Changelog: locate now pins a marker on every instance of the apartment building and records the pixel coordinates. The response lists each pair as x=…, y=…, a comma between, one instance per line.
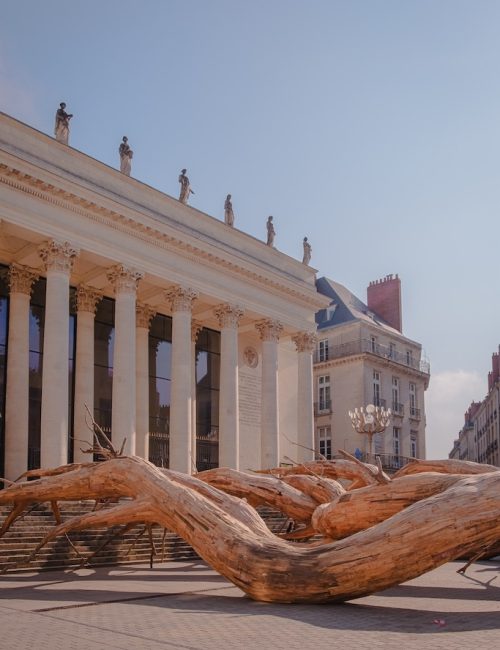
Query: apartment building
x=479, y=438
x=362, y=357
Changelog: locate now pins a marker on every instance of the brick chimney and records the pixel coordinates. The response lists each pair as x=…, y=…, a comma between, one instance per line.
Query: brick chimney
x=384, y=299
x=495, y=370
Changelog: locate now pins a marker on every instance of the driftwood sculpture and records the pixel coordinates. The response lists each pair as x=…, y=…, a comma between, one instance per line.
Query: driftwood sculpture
x=373, y=537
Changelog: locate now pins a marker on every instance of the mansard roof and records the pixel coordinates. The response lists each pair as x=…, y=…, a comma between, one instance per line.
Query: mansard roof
x=345, y=307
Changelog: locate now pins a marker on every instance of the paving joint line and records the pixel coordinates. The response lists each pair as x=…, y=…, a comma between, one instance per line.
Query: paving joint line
x=129, y=599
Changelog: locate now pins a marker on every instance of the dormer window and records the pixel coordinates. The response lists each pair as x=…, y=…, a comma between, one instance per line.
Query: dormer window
x=329, y=311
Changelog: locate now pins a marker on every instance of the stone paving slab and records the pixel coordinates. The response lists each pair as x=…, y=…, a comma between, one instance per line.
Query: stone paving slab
x=189, y=607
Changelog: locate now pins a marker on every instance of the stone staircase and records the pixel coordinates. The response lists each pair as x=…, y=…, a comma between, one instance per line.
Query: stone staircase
x=89, y=547
x=28, y=531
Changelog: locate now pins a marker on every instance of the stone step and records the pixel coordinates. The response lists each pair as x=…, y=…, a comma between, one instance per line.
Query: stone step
x=28, y=531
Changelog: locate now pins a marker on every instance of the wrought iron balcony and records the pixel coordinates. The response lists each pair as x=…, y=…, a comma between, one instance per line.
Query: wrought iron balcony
x=398, y=409
x=415, y=413
x=368, y=346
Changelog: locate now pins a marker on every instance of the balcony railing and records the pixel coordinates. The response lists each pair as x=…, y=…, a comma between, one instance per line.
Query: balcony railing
x=398, y=409
x=159, y=451
x=323, y=408
x=378, y=401
x=390, y=462
x=415, y=413
x=365, y=345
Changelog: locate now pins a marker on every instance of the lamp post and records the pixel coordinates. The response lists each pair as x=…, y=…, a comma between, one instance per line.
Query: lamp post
x=373, y=419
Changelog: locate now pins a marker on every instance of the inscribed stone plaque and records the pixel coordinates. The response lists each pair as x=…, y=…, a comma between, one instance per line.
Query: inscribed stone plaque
x=249, y=398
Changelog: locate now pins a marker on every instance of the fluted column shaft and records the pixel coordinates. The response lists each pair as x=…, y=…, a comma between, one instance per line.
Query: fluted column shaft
x=124, y=396
x=229, y=439
x=305, y=342
x=58, y=258
x=270, y=450
x=181, y=300
x=144, y=314
x=86, y=302
x=17, y=390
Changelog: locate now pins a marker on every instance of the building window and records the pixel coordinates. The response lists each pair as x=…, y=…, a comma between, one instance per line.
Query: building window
x=396, y=441
x=413, y=444
x=373, y=344
x=392, y=350
x=413, y=399
x=324, y=397
x=4, y=307
x=104, y=337
x=396, y=406
x=325, y=442
x=323, y=350
x=376, y=389
x=207, y=399
x=409, y=358
x=160, y=373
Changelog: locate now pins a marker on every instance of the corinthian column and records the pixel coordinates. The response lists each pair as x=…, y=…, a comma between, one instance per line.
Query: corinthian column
x=58, y=260
x=305, y=343
x=144, y=315
x=21, y=280
x=181, y=301
x=196, y=328
x=269, y=331
x=229, y=438
x=123, y=426
x=86, y=303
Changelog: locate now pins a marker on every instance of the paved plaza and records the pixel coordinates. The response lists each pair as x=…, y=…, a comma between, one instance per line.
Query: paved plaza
x=188, y=606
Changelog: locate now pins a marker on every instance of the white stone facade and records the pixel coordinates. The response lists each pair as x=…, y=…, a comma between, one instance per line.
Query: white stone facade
x=89, y=229
x=361, y=360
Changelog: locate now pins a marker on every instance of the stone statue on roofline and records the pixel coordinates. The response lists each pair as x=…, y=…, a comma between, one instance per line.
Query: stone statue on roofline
x=271, y=233
x=126, y=155
x=228, y=211
x=306, y=258
x=61, y=128
x=185, y=187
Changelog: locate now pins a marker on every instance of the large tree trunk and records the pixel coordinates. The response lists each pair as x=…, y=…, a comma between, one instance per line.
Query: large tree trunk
x=228, y=533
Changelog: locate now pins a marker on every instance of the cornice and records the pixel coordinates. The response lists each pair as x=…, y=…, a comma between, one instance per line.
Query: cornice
x=91, y=210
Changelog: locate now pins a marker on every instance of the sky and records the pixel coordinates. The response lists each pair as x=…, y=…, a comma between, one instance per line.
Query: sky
x=370, y=126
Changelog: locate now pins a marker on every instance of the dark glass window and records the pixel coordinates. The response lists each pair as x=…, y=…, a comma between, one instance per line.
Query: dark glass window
x=4, y=319
x=104, y=335
x=36, y=329
x=207, y=399
x=71, y=370
x=160, y=373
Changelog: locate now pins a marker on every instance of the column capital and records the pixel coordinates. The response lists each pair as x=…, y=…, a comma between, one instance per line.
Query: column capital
x=196, y=328
x=269, y=330
x=21, y=278
x=305, y=341
x=124, y=279
x=87, y=298
x=144, y=315
x=228, y=315
x=58, y=256
x=181, y=298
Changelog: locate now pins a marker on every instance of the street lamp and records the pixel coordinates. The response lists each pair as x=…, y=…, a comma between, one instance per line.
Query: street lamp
x=373, y=419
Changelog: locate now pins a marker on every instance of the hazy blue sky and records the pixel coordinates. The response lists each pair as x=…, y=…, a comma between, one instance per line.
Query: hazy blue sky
x=371, y=126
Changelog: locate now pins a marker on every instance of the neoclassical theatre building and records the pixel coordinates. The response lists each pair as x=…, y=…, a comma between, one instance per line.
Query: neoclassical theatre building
x=186, y=338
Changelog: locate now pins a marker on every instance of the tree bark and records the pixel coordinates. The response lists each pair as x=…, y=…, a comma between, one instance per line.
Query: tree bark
x=228, y=533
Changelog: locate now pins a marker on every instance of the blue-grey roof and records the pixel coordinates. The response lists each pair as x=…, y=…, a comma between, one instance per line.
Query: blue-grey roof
x=345, y=307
